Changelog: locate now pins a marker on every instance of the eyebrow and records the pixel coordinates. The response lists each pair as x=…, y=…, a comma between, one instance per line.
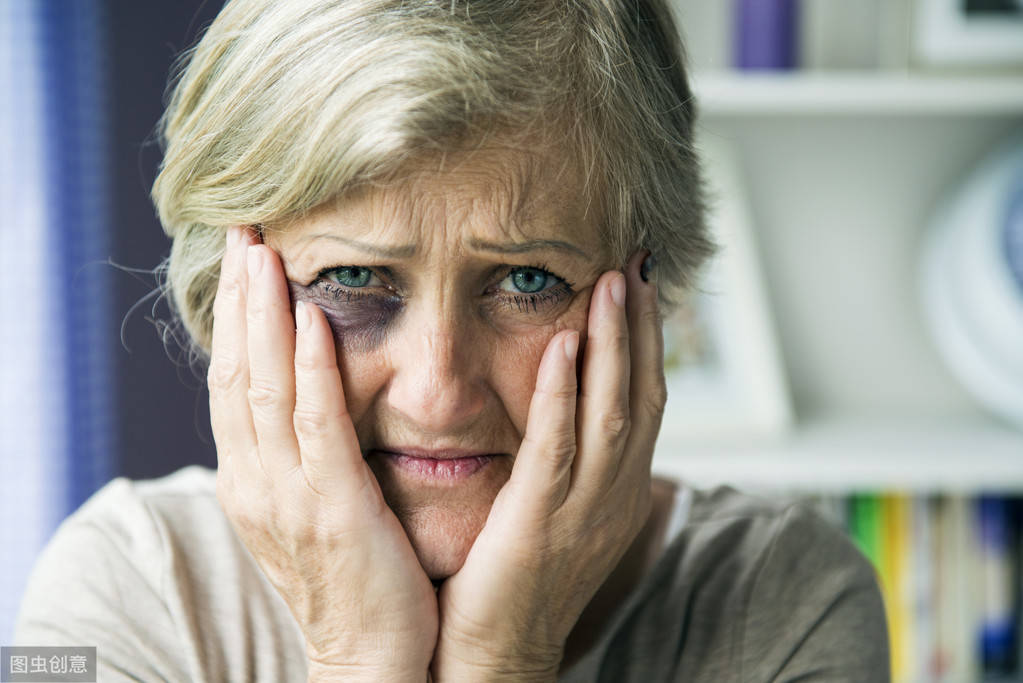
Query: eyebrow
x=409, y=250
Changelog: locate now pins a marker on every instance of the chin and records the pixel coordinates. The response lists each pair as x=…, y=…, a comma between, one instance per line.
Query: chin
x=442, y=536
x=441, y=517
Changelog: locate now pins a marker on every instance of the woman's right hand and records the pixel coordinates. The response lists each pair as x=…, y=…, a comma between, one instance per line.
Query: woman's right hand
x=292, y=481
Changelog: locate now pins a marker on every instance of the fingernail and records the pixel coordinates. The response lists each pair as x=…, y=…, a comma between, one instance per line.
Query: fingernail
x=618, y=290
x=234, y=234
x=302, y=316
x=255, y=260
x=644, y=268
x=571, y=346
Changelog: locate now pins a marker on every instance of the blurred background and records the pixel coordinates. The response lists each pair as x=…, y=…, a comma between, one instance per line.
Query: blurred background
x=89, y=389
x=858, y=343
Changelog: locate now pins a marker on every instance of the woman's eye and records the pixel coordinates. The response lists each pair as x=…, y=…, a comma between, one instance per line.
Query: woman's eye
x=350, y=276
x=528, y=289
x=528, y=280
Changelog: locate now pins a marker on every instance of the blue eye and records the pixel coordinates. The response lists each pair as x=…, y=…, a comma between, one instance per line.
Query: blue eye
x=532, y=287
x=529, y=280
x=350, y=276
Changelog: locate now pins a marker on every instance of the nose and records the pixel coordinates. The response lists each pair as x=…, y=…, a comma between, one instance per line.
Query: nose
x=437, y=379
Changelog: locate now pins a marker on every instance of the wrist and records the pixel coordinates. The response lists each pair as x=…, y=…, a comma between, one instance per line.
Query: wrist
x=449, y=668
x=449, y=673
x=385, y=671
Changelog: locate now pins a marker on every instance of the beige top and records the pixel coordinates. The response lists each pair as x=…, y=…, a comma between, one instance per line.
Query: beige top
x=153, y=575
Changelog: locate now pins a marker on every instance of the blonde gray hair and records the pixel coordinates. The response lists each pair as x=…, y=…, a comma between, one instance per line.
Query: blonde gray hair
x=284, y=106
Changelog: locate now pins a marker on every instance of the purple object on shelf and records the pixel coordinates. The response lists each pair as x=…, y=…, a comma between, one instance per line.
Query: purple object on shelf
x=766, y=34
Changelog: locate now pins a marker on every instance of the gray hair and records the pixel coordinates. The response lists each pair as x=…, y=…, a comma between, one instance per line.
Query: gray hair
x=284, y=106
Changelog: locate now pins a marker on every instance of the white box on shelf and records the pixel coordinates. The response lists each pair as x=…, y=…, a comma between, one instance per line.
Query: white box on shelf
x=722, y=364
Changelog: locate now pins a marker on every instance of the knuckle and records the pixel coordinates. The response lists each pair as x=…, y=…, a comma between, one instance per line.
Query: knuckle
x=311, y=424
x=561, y=441
x=311, y=364
x=615, y=423
x=560, y=393
x=655, y=400
x=224, y=374
x=618, y=340
x=263, y=395
x=230, y=290
x=555, y=443
x=256, y=309
x=651, y=317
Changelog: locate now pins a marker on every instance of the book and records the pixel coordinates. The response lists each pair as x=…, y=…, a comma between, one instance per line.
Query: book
x=997, y=619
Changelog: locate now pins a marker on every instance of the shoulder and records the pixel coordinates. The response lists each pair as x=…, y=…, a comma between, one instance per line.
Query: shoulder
x=139, y=522
x=128, y=522
x=139, y=510
x=755, y=589
x=152, y=573
x=101, y=578
x=814, y=606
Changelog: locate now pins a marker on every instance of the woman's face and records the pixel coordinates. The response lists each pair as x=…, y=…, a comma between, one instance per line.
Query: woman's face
x=443, y=292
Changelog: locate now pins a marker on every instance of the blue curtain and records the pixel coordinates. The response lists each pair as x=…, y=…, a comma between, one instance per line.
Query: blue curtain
x=57, y=334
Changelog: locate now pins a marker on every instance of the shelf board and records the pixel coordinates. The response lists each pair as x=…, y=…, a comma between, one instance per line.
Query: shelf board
x=842, y=455
x=855, y=93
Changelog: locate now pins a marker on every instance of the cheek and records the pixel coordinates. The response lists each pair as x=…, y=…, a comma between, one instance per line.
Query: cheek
x=517, y=354
x=360, y=333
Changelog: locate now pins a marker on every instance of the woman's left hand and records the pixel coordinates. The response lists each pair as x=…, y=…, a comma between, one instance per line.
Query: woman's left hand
x=578, y=495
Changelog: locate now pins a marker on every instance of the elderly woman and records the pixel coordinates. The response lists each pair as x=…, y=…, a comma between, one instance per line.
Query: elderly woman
x=416, y=239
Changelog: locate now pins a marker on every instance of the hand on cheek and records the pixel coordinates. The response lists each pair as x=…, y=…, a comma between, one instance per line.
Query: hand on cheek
x=577, y=497
x=293, y=484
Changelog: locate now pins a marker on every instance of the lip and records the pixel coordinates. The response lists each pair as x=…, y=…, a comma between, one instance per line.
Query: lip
x=433, y=454
x=436, y=466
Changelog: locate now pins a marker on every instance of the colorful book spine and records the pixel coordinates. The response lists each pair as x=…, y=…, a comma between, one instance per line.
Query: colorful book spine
x=923, y=587
x=958, y=560
x=950, y=569
x=896, y=577
x=997, y=622
x=865, y=526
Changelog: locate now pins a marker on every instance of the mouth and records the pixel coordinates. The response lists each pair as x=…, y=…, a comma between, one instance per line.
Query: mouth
x=439, y=466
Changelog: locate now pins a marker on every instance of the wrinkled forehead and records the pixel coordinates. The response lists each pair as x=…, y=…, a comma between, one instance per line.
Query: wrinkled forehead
x=488, y=193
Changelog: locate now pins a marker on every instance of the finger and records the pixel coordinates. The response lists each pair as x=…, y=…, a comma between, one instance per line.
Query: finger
x=543, y=465
x=328, y=445
x=271, y=338
x=603, y=419
x=648, y=392
x=228, y=375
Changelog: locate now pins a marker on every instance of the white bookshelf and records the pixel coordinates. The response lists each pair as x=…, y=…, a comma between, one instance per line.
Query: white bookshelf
x=840, y=455
x=842, y=171
x=846, y=93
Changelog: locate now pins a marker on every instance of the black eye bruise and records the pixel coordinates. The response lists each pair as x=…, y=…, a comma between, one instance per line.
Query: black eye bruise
x=361, y=323
x=340, y=292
